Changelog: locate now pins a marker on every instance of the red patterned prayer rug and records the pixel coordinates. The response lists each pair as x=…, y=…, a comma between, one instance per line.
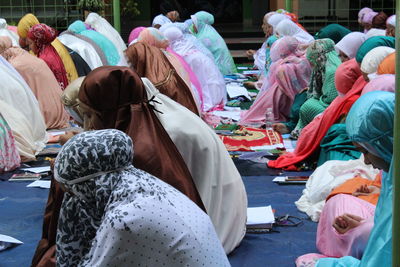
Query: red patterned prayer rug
x=245, y=138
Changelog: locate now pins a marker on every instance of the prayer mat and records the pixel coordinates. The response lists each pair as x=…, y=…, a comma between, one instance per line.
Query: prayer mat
x=245, y=138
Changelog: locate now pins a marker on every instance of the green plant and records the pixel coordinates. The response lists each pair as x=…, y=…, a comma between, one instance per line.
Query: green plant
x=130, y=7
x=91, y=5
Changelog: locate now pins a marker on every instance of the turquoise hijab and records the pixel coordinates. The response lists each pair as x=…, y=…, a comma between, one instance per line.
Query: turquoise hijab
x=106, y=45
x=373, y=42
x=370, y=123
x=213, y=41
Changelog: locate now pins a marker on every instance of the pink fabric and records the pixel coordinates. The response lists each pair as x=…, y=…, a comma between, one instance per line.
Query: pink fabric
x=368, y=17
x=385, y=82
x=192, y=75
x=135, y=34
x=9, y=156
x=12, y=28
x=354, y=241
x=287, y=76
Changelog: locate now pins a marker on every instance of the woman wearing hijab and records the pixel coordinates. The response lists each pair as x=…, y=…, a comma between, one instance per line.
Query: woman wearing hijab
x=274, y=20
x=30, y=20
x=102, y=26
x=217, y=179
x=135, y=34
x=289, y=28
x=333, y=31
x=4, y=31
x=154, y=37
x=373, y=42
x=108, y=48
x=289, y=75
x=347, y=47
x=361, y=15
x=131, y=223
x=152, y=63
x=370, y=125
x=349, y=83
x=203, y=30
x=40, y=37
x=379, y=21
x=211, y=80
x=9, y=157
x=127, y=108
x=324, y=60
x=20, y=109
x=85, y=50
x=391, y=26
x=372, y=60
x=367, y=20
x=41, y=80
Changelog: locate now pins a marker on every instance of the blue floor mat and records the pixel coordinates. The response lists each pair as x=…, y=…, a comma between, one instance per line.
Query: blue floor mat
x=22, y=208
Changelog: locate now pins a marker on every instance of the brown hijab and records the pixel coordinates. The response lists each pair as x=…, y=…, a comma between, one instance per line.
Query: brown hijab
x=150, y=62
x=118, y=98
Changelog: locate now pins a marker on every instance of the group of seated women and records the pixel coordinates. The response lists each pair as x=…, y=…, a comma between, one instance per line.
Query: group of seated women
x=334, y=93
x=149, y=182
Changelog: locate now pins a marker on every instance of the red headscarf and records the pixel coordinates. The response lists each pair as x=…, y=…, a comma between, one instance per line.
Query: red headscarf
x=42, y=35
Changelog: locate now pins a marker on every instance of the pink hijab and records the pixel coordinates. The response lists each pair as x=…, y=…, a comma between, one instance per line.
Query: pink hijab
x=135, y=33
x=385, y=82
x=154, y=37
x=289, y=74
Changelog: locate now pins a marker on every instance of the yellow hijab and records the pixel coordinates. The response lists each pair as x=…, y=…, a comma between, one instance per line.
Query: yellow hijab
x=30, y=20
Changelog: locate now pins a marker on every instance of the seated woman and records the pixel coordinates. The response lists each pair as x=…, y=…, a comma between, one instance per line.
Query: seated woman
x=372, y=60
x=20, y=109
x=154, y=37
x=111, y=53
x=324, y=61
x=361, y=15
x=289, y=28
x=40, y=37
x=212, y=82
x=152, y=63
x=391, y=26
x=287, y=77
x=347, y=47
x=370, y=125
x=102, y=26
x=41, y=80
x=373, y=42
x=203, y=30
x=30, y=20
x=334, y=31
x=9, y=156
x=131, y=223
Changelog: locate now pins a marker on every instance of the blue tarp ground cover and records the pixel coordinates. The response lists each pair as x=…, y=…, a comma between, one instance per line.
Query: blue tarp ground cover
x=22, y=208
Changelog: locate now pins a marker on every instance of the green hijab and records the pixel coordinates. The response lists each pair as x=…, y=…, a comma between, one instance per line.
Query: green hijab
x=333, y=31
x=324, y=59
x=373, y=42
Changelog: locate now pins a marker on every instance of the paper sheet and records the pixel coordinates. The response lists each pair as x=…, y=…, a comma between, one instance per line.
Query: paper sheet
x=279, y=179
x=8, y=241
x=235, y=90
x=250, y=72
x=234, y=115
x=242, y=68
x=37, y=169
x=55, y=133
x=270, y=147
x=260, y=215
x=40, y=184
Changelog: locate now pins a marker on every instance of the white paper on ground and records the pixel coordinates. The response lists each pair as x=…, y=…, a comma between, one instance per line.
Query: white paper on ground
x=235, y=90
x=270, y=147
x=37, y=169
x=55, y=133
x=8, y=241
x=279, y=179
x=234, y=115
x=250, y=72
x=260, y=215
x=40, y=184
x=242, y=68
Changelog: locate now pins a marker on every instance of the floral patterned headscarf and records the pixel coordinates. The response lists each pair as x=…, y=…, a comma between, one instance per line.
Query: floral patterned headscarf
x=42, y=35
x=96, y=167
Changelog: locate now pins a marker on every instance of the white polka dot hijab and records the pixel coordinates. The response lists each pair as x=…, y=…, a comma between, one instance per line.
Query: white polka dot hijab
x=95, y=167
